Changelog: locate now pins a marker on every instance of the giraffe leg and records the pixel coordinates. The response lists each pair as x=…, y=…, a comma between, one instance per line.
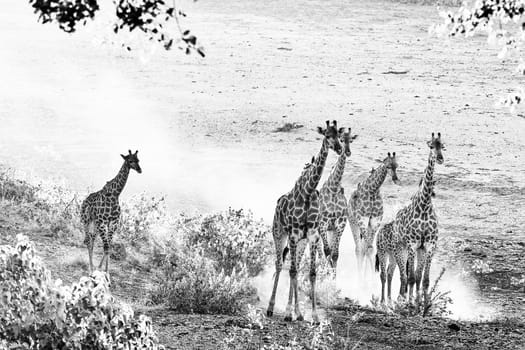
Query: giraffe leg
x=362, y=226
x=280, y=243
x=357, y=240
x=89, y=240
x=410, y=272
x=323, y=230
x=90, y=244
x=426, y=276
x=104, y=233
x=339, y=229
x=421, y=260
x=313, y=274
x=292, y=244
x=301, y=247
x=401, y=259
x=390, y=275
x=112, y=228
x=381, y=256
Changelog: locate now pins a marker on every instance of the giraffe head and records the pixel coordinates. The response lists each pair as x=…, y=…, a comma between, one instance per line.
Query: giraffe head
x=391, y=163
x=437, y=146
x=331, y=136
x=346, y=139
x=132, y=161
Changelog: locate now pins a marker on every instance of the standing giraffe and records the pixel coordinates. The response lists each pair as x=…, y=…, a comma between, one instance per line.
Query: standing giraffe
x=365, y=210
x=416, y=225
x=333, y=209
x=389, y=249
x=297, y=219
x=100, y=211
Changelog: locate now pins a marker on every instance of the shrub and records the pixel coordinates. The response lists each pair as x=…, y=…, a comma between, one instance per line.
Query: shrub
x=192, y=283
x=15, y=190
x=140, y=216
x=233, y=239
x=437, y=303
x=37, y=312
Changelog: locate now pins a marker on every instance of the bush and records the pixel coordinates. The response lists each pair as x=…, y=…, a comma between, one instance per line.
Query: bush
x=140, y=216
x=437, y=304
x=37, y=312
x=234, y=239
x=192, y=283
x=15, y=190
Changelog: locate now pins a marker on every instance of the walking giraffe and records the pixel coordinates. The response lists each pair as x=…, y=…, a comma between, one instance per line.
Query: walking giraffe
x=365, y=210
x=416, y=226
x=333, y=207
x=100, y=211
x=389, y=250
x=297, y=219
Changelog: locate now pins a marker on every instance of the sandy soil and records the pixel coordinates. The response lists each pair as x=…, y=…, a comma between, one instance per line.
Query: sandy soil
x=205, y=127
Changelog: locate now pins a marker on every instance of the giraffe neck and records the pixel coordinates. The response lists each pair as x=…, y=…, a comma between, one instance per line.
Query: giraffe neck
x=315, y=172
x=376, y=179
x=116, y=185
x=334, y=181
x=425, y=192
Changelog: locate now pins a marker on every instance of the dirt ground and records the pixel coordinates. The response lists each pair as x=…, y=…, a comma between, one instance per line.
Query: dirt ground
x=206, y=131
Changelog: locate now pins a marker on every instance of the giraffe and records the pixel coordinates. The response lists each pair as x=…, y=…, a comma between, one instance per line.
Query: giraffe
x=365, y=210
x=296, y=220
x=333, y=209
x=100, y=211
x=389, y=249
x=388, y=246
x=417, y=226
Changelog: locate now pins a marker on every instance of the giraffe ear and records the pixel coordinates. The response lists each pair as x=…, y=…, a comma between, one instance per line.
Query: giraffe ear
x=353, y=137
x=320, y=130
x=429, y=143
x=123, y=156
x=341, y=131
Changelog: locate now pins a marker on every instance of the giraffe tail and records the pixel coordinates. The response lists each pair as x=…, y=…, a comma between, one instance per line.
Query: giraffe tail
x=285, y=252
x=377, y=263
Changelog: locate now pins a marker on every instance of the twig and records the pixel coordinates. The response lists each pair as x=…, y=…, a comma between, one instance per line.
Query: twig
x=396, y=72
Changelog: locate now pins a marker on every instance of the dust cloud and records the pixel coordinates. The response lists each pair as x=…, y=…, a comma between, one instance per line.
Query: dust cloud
x=466, y=300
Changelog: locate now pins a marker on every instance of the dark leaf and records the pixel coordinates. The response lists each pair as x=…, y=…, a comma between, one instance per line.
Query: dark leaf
x=168, y=45
x=201, y=52
x=190, y=40
x=186, y=32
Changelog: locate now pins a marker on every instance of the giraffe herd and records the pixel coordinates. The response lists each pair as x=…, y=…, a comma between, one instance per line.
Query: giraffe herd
x=305, y=216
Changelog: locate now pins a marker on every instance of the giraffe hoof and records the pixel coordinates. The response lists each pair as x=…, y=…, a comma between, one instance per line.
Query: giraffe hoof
x=288, y=318
x=300, y=318
x=269, y=313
